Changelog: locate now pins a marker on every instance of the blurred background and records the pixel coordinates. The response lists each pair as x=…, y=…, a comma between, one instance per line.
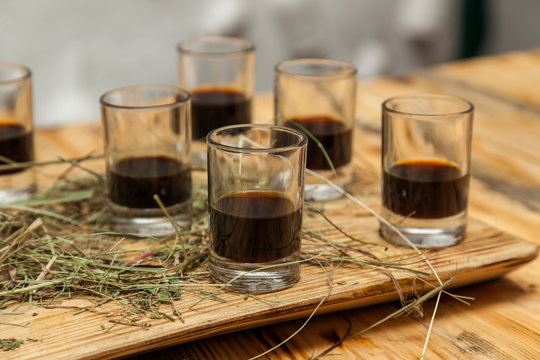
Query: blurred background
x=78, y=49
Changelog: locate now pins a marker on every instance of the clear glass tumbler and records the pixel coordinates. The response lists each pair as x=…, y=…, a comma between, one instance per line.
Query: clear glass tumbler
x=16, y=132
x=426, y=151
x=318, y=97
x=219, y=72
x=147, y=152
x=255, y=196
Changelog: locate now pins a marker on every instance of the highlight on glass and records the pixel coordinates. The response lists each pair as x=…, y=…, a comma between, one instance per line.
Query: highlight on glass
x=16, y=133
x=318, y=97
x=219, y=72
x=255, y=197
x=147, y=153
x=426, y=152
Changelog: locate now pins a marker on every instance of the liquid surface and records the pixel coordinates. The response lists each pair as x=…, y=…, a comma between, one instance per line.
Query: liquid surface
x=255, y=227
x=425, y=189
x=333, y=135
x=133, y=181
x=216, y=107
x=16, y=144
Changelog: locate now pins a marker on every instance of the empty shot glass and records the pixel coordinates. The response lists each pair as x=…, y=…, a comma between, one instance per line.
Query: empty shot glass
x=318, y=97
x=147, y=153
x=255, y=196
x=16, y=133
x=426, y=151
x=219, y=72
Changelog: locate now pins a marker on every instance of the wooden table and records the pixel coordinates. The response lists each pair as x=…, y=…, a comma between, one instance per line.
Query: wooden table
x=504, y=320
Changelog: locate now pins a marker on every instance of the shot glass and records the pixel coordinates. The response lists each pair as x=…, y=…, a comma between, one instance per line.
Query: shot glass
x=426, y=151
x=219, y=72
x=318, y=96
x=147, y=152
x=255, y=196
x=16, y=132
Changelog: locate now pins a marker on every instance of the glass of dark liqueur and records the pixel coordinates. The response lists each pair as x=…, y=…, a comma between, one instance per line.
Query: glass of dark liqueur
x=147, y=152
x=318, y=96
x=255, y=196
x=16, y=132
x=426, y=151
x=219, y=72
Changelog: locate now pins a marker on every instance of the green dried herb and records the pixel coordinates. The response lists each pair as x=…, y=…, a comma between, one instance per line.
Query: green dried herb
x=10, y=344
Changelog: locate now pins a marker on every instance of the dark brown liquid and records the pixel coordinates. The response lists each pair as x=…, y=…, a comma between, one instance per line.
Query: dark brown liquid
x=255, y=227
x=16, y=144
x=212, y=108
x=425, y=189
x=134, y=181
x=334, y=136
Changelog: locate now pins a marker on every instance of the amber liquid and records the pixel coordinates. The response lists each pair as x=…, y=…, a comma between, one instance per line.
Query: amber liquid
x=334, y=136
x=255, y=227
x=133, y=181
x=425, y=189
x=16, y=143
x=216, y=107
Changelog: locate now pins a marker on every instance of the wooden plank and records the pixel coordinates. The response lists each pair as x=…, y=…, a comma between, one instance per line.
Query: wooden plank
x=486, y=253
x=503, y=321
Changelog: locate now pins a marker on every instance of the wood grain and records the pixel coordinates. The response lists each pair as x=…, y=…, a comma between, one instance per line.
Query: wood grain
x=503, y=322
x=486, y=253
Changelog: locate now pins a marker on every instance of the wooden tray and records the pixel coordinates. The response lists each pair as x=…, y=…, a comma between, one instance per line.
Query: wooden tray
x=486, y=253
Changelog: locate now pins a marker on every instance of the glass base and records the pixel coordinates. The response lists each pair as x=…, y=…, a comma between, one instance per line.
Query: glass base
x=150, y=222
x=425, y=233
x=321, y=192
x=199, y=154
x=16, y=187
x=265, y=280
x=16, y=194
x=317, y=189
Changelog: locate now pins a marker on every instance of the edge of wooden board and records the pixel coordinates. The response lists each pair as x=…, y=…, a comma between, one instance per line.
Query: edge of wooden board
x=488, y=253
x=342, y=300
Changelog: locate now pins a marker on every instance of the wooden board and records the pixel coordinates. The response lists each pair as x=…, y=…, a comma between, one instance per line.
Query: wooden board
x=503, y=322
x=486, y=253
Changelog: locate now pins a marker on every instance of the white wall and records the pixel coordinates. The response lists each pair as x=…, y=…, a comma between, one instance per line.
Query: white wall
x=78, y=49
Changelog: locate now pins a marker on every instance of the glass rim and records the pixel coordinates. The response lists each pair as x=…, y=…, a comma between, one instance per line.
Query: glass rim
x=26, y=73
x=468, y=106
x=244, y=46
x=347, y=70
x=302, y=139
x=184, y=97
